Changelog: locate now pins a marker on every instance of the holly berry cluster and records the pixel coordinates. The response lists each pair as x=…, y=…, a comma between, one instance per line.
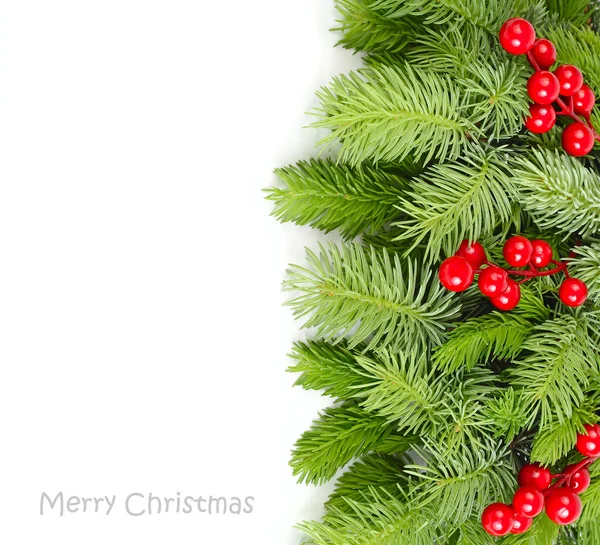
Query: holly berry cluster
x=458, y=272
x=536, y=493
x=561, y=92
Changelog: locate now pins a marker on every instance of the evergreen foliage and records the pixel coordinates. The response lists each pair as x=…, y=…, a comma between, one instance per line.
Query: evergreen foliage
x=329, y=196
x=437, y=398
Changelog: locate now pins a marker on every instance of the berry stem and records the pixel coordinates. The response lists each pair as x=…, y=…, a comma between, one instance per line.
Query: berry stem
x=533, y=273
x=566, y=477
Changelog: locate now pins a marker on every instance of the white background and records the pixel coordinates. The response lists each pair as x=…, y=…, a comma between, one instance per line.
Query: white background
x=142, y=341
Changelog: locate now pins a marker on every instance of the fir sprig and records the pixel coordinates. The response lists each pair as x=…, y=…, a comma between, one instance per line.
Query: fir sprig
x=327, y=195
x=339, y=435
x=559, y=192
x=366, y=296
x=386, y=113
x=465, y=199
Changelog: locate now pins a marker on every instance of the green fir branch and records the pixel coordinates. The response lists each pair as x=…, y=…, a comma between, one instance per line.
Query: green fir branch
x=365, y=28
x=497, y=97
x=385, y=520
x=554, y=373
x=365, y=296
x=374, y=475
x=559, y=192
x=488, y=15
x=465, y=199
x=457, y=485
x=336, y=438
x=322, y=366
x=328, y=196
x=388, y=113
x=497, y=335
x=574, y=11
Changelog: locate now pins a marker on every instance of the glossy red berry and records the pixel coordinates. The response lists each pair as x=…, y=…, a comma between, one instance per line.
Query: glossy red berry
x=573, y=292
x=542, y=254
x=541, y=118
x=563, y=506
x=473, y=253
x=543, y=87
x=510, y=298
x=497, y=519
x=578, y=139
x=521, y=524
x=493, y=281
x=528, y=501
x=588, y=444
x=456, y=274
x=535, y=476
x=580, y=480
x=544, y=53
x=518, y=251
x=570, y=79
x=517, y=36
x=584, y=100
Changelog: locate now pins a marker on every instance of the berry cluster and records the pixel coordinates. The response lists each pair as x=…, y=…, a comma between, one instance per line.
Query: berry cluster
x=561, y=92
x=561, y=499
x=458, y=272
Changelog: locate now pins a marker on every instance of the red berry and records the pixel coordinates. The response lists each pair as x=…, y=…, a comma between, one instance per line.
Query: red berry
x=535, y=476
x=578, y=139
x=528, y=501
x=580, y=480
x=541, y=118
x=588, y=444
x=544, y=53
x=543, y=87
x=573, y=292
x=517, y=36
x=563, y=506
x=542, y=254
x=584, y=100
x=510, y=298
x=493, y=281
x=497, y=519
x=473, y=253
x=518, y=251
x=570, y=79
x=521, y=524
x=456, y=274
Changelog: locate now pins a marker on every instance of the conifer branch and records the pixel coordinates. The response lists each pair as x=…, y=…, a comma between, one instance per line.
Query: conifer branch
x=478, y=339
x=386, y=113
x=496, y=92
x=487, y=15
x=339, y=435
x=374, y=475
x=573, y=11
x=365, y=296
x=460, y=486
x=553, y=376
x=328, y=196
x=559, y=192
x=384, y=521
x=365, y=28
x=465, y=199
